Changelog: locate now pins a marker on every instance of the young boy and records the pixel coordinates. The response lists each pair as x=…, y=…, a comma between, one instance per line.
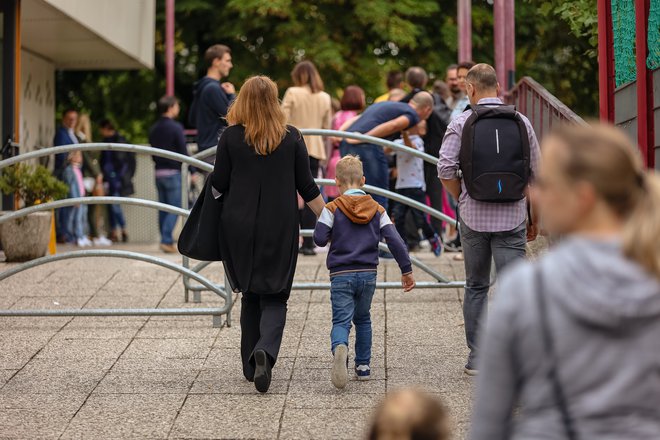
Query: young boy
x=354, y=224
x=410, y=183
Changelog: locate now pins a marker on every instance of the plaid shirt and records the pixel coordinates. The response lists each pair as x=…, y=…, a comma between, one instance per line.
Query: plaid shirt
x=483, y=216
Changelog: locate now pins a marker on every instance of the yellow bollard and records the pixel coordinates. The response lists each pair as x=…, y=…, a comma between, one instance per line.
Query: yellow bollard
x=52, y=245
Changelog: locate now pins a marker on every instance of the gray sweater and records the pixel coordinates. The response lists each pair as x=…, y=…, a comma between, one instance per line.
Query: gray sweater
x=604, y=315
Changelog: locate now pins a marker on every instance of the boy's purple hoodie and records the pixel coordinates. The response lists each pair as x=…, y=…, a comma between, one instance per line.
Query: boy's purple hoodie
x=354, y=225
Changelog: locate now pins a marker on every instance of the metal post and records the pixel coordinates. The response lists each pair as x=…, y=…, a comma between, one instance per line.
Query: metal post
x=11, y=77
x=510, y=43
x=645, y=133
x=464, y=30
x=500, y=43
x=605, y=61
x=169, y=47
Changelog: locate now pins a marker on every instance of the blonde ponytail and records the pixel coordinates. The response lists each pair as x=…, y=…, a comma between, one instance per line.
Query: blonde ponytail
x=641, y=235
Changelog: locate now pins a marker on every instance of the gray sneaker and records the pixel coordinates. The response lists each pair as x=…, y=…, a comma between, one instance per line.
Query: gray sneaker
x=339, y=374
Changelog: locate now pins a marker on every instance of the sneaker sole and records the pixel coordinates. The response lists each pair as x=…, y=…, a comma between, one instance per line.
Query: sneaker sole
x=471, y=372
x=261, y=376
x=362, y=377
x=339, y=376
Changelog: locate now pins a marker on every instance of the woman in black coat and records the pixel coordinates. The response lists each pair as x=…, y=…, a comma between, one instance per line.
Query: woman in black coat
x=260, y=164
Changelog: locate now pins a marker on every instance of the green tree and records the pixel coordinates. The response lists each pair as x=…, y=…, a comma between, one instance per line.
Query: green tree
x=351, y=41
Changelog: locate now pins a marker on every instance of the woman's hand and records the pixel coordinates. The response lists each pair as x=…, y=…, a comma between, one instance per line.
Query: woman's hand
x=317, y=205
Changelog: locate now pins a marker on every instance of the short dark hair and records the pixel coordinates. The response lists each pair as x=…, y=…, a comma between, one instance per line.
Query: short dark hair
x=416, y=77
x=482, y=77
x=353, y=98
x=394, y=79
x=215, y=51
x=452, y=67
x=106, y=123
x=165, y=103
x=68, y=110
x=466, y=65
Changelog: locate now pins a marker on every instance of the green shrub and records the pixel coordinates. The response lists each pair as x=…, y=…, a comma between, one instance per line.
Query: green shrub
x=32, y=184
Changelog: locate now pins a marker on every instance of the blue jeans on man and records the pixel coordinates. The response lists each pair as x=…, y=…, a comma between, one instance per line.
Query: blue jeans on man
x=479, y=249
x=351, y=294
x=374, y=164
x=169, y=192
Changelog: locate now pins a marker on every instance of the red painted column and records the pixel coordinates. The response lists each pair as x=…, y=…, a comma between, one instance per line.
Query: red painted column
x=499, y=32
x=645, y=133
x=510, y=42
x=605, y=61
x=169, y=47
x=464, y=30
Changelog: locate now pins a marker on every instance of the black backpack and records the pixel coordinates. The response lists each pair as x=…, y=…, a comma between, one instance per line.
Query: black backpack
x=495, y=154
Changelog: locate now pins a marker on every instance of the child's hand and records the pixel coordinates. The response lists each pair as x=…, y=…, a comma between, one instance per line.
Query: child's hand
x=407, y=282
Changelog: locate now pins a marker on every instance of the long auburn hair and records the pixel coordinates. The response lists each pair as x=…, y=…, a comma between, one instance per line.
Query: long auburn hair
x=258, y=109
x=604, y=156
x=305, y=74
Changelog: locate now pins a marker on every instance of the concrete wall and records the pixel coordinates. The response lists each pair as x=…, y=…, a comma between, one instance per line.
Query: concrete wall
x=37, y=116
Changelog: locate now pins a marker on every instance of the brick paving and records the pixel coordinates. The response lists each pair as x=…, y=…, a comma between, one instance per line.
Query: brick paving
x=178, y=377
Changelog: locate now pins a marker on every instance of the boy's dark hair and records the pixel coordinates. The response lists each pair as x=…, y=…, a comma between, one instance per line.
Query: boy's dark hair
x=416, y=77
x=394, y=79
x=466, y=65
x=165, y=103
x=67, y=111
x=213, y=52
x=106, y=123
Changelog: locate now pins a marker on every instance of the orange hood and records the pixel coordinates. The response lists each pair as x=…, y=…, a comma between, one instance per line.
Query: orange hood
x=359, y=209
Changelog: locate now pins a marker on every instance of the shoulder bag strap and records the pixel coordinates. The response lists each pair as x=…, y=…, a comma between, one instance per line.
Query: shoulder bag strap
x=553, y=375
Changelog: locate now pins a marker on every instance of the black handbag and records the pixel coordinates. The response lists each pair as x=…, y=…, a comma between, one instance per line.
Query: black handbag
x=201, y=236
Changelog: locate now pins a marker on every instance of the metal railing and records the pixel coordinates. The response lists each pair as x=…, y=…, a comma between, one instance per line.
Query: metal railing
x=542, y=108
x=185, y=270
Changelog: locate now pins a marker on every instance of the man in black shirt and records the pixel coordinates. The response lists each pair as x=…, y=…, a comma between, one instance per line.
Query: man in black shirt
x=167, y=134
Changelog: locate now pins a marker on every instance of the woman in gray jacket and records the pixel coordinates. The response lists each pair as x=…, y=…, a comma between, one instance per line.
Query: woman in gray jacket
x=572, y=342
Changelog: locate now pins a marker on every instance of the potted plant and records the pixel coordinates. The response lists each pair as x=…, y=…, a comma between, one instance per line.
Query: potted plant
x=27, y=237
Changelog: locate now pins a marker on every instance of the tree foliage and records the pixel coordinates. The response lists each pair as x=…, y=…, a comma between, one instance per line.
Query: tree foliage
x=351, y=41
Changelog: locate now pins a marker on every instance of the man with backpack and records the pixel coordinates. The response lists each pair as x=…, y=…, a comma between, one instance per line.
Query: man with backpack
x=488, y=158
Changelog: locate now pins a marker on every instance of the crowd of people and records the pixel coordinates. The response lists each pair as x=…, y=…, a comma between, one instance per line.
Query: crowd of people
x=571, y=347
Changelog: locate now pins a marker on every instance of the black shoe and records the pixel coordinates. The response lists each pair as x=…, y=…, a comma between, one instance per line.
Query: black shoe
x=307, y=251
x=262, y=371
x=454, y=246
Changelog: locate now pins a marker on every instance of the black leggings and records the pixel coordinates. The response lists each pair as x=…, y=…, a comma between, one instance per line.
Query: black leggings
x=308, y=218
x=262, y=325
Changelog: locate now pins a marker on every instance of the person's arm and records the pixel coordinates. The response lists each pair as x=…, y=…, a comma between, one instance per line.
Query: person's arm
x=287, y=104
x=180, y=140
x=349, y=122
x=448, y=165
x=534, y=158
x=497, y=383
x=390, y=127
x=304, y=181
x=398, y=249
x=222, y=168
x=217, y=100
x=323, y=228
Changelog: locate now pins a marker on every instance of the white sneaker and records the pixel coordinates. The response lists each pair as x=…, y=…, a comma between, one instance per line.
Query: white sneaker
x=83, y=242
x=102, y=241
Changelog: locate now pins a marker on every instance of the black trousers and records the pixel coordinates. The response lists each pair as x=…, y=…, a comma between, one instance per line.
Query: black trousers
x=262, y=326
x=308, y=218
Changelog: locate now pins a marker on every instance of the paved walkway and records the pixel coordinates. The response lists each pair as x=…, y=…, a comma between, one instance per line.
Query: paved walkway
x=170, y=377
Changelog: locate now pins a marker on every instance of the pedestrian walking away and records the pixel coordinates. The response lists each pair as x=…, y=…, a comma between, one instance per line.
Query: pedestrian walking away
x=571, y=348
x=496, y=171
x=260, y=164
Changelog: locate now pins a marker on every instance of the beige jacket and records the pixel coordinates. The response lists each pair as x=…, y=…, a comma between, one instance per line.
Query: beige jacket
x=305, y=109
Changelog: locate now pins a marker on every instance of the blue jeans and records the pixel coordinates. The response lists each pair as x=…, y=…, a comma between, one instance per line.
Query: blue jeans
x=351, y=295
x=479, y=249
x=374, y=164
x=169, y=192
x=117, y=219
x=76, y=222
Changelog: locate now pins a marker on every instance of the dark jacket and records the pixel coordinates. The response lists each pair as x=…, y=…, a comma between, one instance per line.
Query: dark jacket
x=208, y=111
x=167, y=134
x=118, y=167
x=354, y=225
x=260, y=219
x=62, y=137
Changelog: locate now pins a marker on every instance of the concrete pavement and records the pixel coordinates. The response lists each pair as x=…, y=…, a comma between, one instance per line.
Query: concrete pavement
x=177, y=377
